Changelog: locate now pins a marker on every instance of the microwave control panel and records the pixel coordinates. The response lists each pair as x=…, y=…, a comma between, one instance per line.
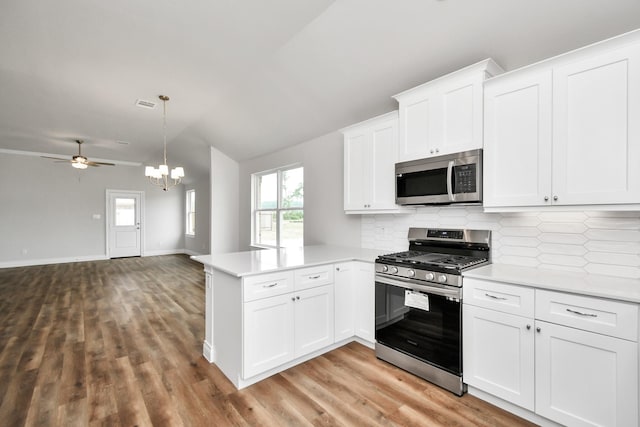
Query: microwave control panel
x=465, y=178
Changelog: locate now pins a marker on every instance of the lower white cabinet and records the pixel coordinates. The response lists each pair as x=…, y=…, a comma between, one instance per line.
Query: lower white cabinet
x=567, y=363
x=268, y=334
x=313, y=320
x=584, y=378
x=365, y=301
x=281, y=328
x=344, y=300
x=499, y=354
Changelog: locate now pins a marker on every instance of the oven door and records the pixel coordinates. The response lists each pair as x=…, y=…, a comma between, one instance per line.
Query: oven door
x=421, y=321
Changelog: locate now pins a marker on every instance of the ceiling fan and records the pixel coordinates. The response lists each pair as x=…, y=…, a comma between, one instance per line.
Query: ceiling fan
x=79, y=161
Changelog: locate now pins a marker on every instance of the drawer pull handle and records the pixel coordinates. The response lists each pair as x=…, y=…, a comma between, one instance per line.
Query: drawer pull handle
x=495, y=297
x=581, y=314
x=270, y=286
x=317, y=276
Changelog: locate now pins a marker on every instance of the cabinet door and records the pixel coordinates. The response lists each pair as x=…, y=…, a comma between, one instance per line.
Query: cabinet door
x=357, y=169
x=365, y=300
x=517, y=140
x=498, y=354
x=417, y=125
x=461, y=110
x=313, y=320
x=596, y=131
x=384, y=151
x=268, y=334
x=584, y=378
x=344, y=302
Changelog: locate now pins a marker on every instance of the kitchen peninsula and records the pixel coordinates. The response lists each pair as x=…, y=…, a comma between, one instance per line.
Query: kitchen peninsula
x=268, y=310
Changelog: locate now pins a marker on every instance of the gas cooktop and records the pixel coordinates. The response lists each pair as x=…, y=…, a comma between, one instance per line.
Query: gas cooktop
x=424, y=260
x=438, y=255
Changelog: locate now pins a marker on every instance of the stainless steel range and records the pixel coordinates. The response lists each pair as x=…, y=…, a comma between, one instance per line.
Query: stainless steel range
x=419, y=302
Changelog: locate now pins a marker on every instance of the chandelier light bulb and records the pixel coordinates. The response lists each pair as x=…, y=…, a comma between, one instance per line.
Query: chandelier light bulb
x=160, y=176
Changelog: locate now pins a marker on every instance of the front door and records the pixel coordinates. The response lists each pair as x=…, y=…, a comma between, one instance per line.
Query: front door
x=123, y=227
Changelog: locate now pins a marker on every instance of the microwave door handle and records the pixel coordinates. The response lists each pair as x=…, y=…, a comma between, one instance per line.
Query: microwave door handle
x=450, y=181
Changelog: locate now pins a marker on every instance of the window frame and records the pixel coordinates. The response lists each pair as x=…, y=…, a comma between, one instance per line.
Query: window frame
x=190, y=194
x=278, y=209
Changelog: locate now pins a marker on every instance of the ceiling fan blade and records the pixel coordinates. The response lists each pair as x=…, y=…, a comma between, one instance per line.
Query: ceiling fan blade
x=55, y=158
x=102, y=163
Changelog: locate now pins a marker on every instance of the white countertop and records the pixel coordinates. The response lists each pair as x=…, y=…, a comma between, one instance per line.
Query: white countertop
x=249, y=263
x=579, y=283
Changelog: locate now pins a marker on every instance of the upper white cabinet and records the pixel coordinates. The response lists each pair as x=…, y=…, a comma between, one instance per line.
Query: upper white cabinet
x=517, y=151
x=444, y=115
x=370, y=151
x=565, y=131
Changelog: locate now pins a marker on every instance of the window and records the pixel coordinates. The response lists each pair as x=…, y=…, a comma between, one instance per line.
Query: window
x=190, y=225
x=278, y=204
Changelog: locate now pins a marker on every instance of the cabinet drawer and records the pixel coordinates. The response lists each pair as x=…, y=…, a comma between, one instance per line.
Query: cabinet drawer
x=311, y=277
x=267, y=285
x=503, y=297
x=613, y=318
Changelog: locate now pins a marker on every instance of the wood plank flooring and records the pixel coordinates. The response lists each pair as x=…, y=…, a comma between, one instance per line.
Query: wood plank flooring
x=119, y=343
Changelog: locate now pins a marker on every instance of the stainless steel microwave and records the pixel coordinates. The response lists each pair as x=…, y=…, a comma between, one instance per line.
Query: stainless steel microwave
x=451, y=178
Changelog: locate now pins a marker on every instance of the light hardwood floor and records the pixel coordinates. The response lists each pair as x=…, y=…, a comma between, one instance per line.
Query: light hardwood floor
x=119, y=343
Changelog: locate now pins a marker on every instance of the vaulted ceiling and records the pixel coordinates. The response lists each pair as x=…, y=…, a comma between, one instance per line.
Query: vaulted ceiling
x=252, y=76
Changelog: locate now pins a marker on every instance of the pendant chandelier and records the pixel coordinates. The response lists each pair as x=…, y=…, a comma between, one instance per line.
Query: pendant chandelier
x=160, y=176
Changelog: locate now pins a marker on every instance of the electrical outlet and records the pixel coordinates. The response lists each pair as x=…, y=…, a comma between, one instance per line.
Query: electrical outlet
x=25, y=251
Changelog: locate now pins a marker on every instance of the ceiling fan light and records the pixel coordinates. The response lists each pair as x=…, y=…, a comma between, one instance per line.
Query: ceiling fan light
x=79, y=165
x=148, y=171
x=164, y=169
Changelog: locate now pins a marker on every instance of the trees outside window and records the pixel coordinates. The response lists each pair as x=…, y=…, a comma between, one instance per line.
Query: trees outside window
x=278, y=208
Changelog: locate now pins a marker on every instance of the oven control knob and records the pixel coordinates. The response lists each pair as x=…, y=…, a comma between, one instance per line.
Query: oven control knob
x=411, y=273
x=385, y=268
x=393, y=270
x=442, y=278
x=430, y=276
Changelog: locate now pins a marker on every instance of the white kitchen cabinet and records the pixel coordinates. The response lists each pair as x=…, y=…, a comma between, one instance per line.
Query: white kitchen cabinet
x=369, y=165
x=565, y=132
x=498, y=340
x=313, y=320
x=596, y=132
x=499, y=354
x=517, y=144
x=584, y=378
x=281, y=328
x=443, y=116
x=268, y=333
x=365, y=301
x=569, y=358
x=344, y=300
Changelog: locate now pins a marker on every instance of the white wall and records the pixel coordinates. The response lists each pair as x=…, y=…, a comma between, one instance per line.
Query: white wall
x=46, y=208
x=324, y=219
x=200, y=243
x=224, y=203
x=593, y=242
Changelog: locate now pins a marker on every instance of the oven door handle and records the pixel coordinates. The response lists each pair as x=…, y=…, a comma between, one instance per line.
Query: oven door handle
x=445, y=292
x=452, y=197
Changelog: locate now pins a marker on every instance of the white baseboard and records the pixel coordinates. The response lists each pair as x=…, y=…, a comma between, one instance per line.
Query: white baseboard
x=45, y=261
x=208, y=353
x=191, y=253
x=164, y=252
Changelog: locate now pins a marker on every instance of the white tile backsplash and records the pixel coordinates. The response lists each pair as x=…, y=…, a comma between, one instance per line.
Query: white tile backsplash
x=594, y=242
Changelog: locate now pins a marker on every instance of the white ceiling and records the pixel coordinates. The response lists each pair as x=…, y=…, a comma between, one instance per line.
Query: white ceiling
x=250, y=77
